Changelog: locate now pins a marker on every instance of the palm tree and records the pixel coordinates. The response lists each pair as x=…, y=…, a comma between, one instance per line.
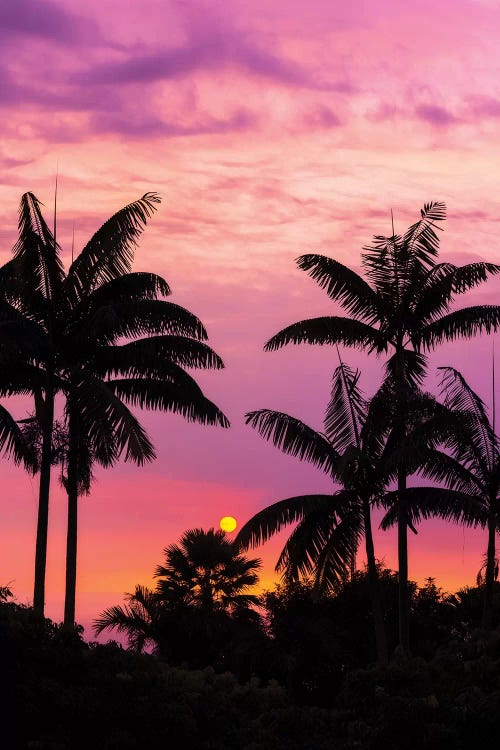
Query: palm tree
x=206, y=571
x=474, y=469
x=405, y=306
x=84, y=316
x=202, y=584
x=351, y=452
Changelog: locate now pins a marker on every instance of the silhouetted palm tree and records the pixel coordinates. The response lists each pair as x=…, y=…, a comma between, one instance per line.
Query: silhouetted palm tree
x=139, y=619
x=329, y=527
x=406, y=307
x=83, y=318
x=475, y=449
x=203, y=578
x=205, y=570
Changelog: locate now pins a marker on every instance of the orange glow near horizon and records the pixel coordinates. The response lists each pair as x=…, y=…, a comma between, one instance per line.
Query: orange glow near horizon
x=268, y=135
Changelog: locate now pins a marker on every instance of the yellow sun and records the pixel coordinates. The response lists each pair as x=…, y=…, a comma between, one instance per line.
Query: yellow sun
x=228, y=523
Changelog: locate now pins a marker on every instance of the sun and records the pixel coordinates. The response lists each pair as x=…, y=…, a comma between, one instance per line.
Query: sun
x=228, y=523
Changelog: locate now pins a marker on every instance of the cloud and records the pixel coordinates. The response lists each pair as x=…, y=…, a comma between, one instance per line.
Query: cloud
x=43, y=19
x=211, y=55
x=147, y=126
x=485, y=106
x=435, y=115
x=211, y=43
x=322, y=117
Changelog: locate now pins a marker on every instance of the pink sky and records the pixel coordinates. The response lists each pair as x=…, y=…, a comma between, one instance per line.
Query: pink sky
x=270, y=129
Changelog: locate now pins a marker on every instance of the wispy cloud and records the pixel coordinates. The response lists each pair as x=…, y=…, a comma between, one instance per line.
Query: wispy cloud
x=149, y=125
x=44, y=19
x=435, y=115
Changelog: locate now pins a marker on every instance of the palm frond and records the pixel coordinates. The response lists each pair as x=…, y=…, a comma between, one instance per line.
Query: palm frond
x=459, y=396
x=340, y=549
x=149, y=393
x=131, y=287
x=482, y=444
x=14, y=444
x=109, y=253
x=272, y=519
x=445, y=469
x=155, y=354
x=420, y=239
x=346, y=410
x=330, y=330
x=135, y=619
x=444, y=281
x=343, y=285
x=300, y=553
x=464, y=323
x=36, y=250
x=294, y=438
x=103, y=414
x=109, y=323
x=435, y=502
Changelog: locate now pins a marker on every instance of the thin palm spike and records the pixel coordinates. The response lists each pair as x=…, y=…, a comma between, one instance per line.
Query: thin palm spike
x=54, y=233
x=73, y=244
x=395, y=257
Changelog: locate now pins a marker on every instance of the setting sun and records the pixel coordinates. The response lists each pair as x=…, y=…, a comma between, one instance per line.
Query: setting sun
x=228, y=523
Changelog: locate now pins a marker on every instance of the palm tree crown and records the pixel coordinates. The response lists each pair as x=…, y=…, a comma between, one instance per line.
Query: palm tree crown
x=205, y=570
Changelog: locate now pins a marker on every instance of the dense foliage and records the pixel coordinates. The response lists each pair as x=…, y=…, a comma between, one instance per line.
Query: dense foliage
x=315, y=686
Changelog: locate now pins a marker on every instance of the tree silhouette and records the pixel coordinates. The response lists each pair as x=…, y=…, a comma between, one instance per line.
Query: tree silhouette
x=81, y=320
x=405, y=307
x=474, y=447
x=200, y=600
x=205, y=570
x=329, y=528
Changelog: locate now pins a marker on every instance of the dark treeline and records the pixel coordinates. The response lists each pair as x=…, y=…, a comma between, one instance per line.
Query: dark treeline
x=334, y=657
x=302, y=677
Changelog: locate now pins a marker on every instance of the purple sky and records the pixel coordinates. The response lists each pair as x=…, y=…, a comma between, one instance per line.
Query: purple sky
x=270, y=129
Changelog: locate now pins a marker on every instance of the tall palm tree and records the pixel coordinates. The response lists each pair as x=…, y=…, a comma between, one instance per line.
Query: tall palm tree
x=202, y=578
x=82, y=318
x=329, y=528
x=470, y=466
x=404, y=307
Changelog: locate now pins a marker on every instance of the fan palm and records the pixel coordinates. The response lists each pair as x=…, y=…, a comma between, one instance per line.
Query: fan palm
x=202, y=578
x=84, y=316
x=329, y=527
x=404, y=307
x=206, y=571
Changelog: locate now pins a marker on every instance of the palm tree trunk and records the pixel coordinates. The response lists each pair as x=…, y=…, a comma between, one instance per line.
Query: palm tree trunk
x=404, y=605
x=373, y=584
x=46, y=418
x=490, y=573
x=72, y=533
x=401, y=417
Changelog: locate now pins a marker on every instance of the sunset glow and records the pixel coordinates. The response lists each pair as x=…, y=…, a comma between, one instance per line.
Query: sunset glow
x=270, y=129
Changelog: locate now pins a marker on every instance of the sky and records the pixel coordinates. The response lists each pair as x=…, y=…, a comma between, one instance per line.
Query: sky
x=270, y=129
